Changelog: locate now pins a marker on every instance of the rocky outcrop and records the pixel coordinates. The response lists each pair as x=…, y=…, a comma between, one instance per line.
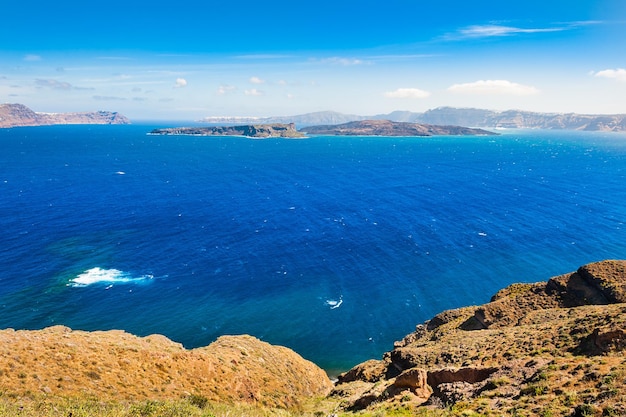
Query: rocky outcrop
x=277, y=130
x=389, y=128
x=15, y=115
x=557, y=345
x=115, y=365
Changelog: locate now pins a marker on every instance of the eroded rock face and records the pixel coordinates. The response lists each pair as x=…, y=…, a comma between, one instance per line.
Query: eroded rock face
x=528, y=341
x=115, y=365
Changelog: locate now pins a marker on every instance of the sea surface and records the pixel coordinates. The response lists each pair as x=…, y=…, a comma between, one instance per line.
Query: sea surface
x=333, y=246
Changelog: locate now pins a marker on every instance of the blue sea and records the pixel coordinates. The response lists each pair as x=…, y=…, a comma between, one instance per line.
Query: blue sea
x=332, y=246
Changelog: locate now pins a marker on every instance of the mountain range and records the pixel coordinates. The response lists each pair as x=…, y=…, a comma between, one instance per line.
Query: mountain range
x=471, y=117
x=14, y=115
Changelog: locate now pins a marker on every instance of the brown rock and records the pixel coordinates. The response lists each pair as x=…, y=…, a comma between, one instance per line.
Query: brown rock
x=414, y=379
x=609, y=277
x=368, y=371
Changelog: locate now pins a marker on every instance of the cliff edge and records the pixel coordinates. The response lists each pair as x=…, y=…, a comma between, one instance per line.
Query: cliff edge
x=550, y=348
x=117, y=366
x=15, y=115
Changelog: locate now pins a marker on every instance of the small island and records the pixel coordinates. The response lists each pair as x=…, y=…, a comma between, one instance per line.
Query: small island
x=389, y=128
x=275, y=130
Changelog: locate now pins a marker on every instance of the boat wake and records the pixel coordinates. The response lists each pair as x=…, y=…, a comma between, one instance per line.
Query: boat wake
x=99, y=275
x=335, y=303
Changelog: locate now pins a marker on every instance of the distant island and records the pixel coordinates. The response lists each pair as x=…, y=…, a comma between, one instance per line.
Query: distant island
x=389, y=128
x=15, y=115
x=513, y=119
x=288, y=130
x=275, y=130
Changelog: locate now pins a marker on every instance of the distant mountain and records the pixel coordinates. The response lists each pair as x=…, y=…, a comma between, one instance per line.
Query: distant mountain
x=523, y=119
x=317, y=118
x=389, y=128
x=471, y=117
x=13, y=115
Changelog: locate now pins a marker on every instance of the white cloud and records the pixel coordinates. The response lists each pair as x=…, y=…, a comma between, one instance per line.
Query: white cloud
x=342, y=61
x=256, y=80
x=253, y=92
x=618, y=74
x=32, y=58
x=108, y=98
x=407, y=93
x=495, y=87
x=225, y=89
x=180, y=83
x=57, y=85
x=485, y=31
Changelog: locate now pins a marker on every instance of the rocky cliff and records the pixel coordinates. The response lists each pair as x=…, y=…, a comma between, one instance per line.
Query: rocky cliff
x=276, y=130
x=389, y=128
x=115, y=365
x=14, y=115
x=551, y=348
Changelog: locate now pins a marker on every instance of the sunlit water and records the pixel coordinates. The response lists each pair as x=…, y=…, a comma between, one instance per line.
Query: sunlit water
x=335, y=247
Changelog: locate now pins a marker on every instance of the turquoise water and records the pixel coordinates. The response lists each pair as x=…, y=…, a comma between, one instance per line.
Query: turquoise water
x=335, y=247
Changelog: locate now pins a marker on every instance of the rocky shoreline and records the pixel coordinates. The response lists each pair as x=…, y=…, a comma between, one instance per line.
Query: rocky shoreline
x=549, y=348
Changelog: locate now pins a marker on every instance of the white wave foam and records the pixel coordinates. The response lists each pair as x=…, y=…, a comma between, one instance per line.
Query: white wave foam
x=109, y=276
x=333, y=304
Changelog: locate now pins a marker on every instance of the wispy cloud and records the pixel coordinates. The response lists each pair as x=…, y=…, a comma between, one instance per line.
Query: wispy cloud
x=343, y=61
x=114, y=58
x=253, y=92
x=618, y=74
x=499, y=30
x=108, y=98
x=57, y=85
x=407, y=93
x=32, y=58
x=180, y=83
x=225, y=89
x=487, y=31
x=494, y=87
x=256, y=80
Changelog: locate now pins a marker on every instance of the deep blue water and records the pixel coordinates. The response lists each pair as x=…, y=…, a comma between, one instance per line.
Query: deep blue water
x=332, y=246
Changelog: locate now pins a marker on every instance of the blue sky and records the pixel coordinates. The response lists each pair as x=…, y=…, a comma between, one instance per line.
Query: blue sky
x=190, y=59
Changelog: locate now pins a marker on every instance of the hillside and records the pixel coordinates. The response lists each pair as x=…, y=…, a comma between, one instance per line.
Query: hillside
x=114, y=365
x=551, y=348
x=15, y=115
